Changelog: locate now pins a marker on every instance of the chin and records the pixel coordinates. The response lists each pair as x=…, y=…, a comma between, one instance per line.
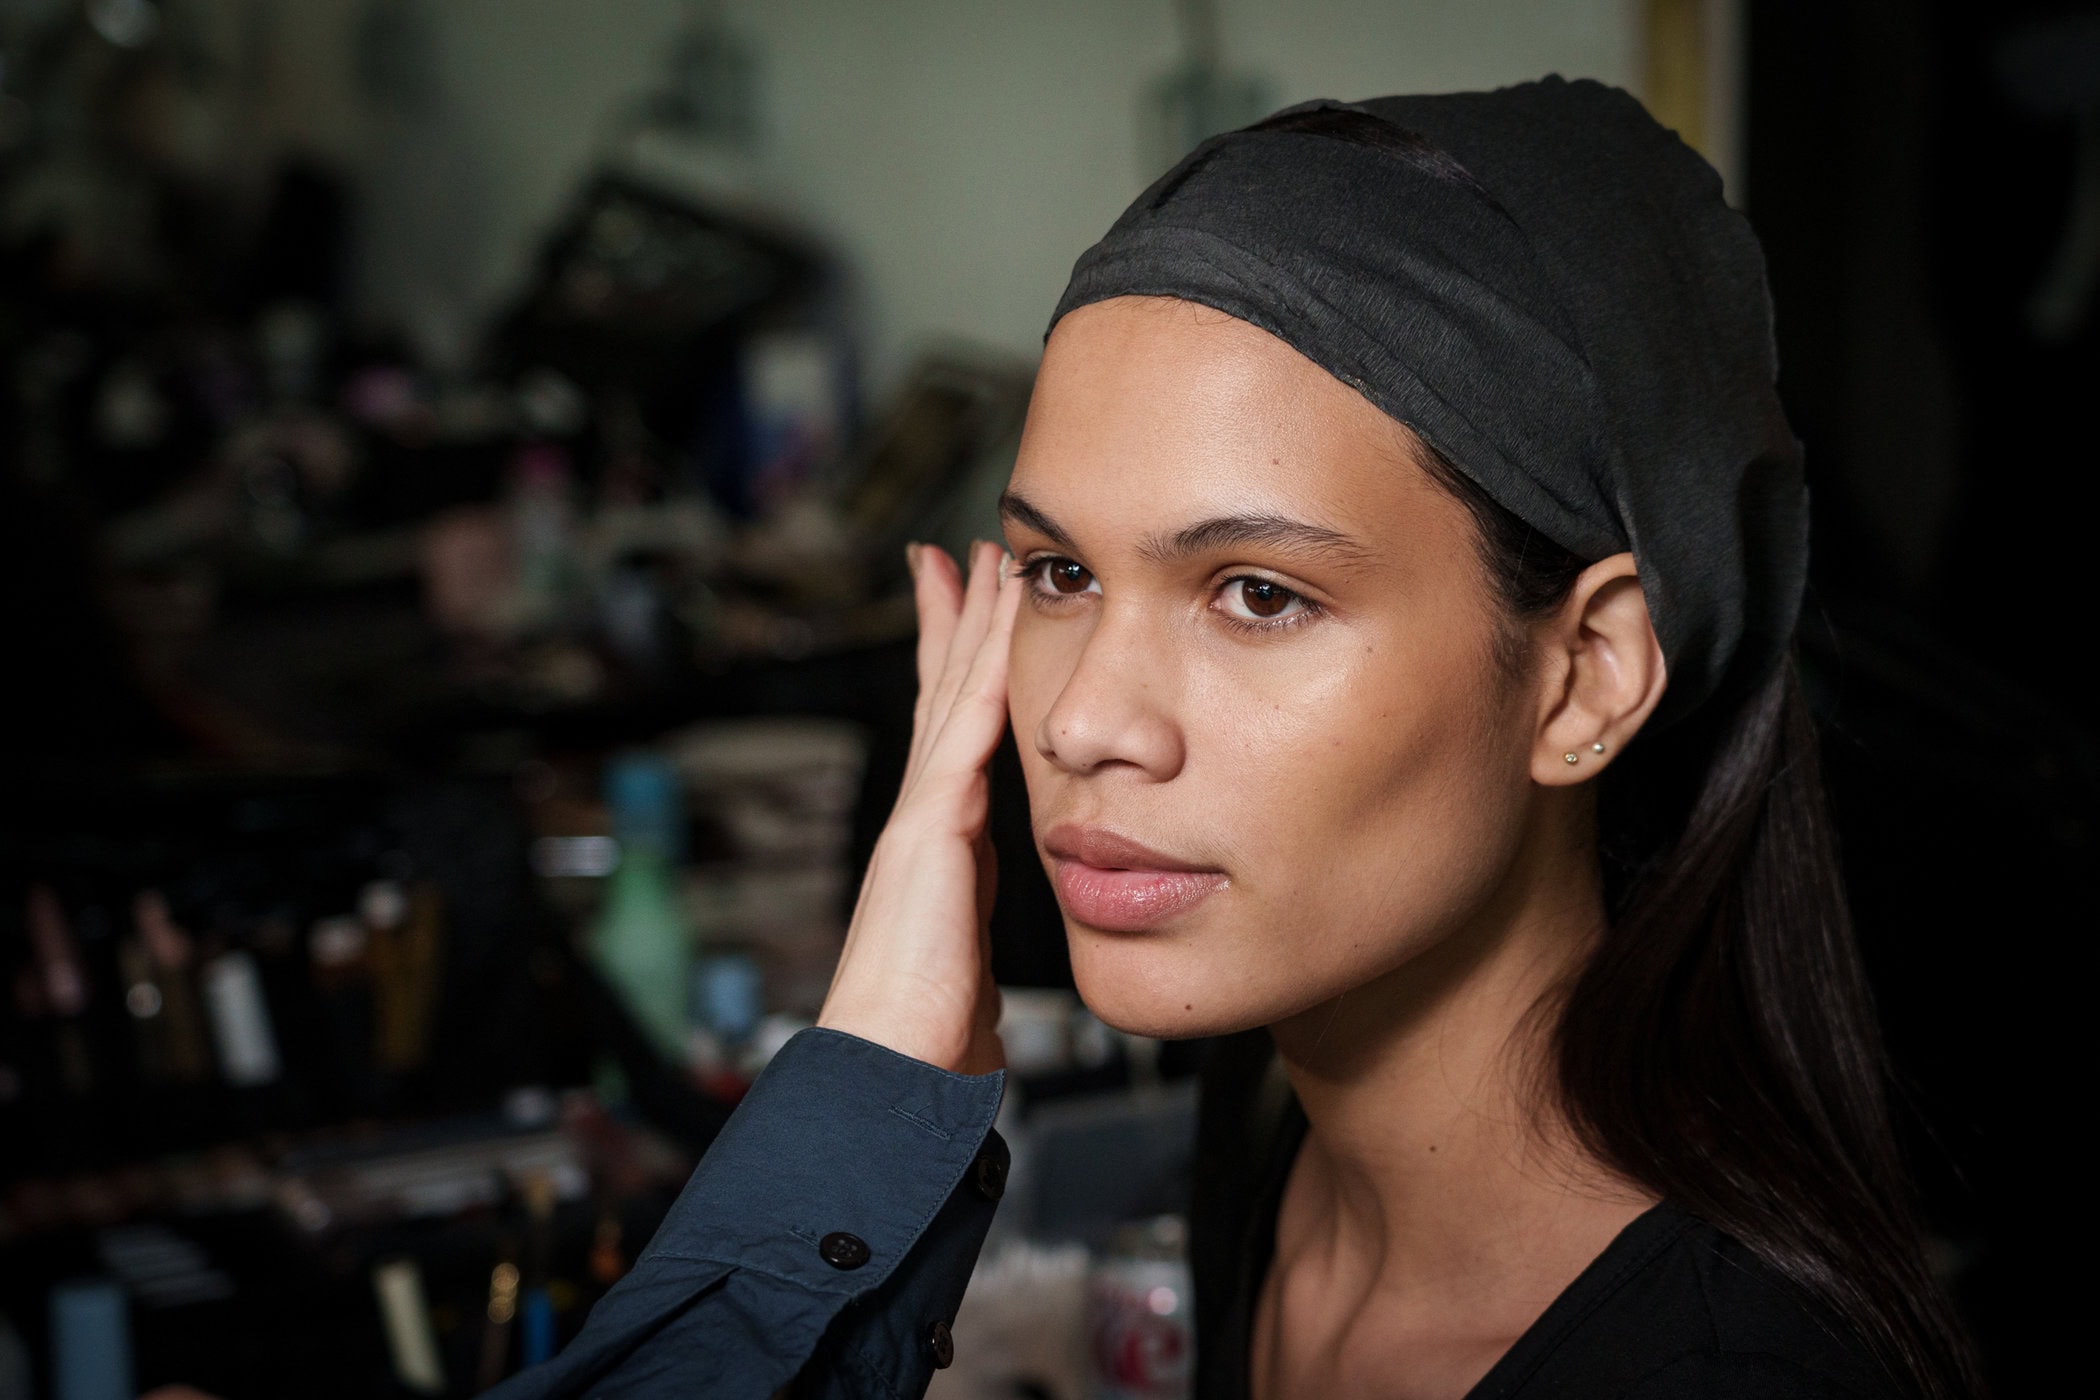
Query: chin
x=1166, y=986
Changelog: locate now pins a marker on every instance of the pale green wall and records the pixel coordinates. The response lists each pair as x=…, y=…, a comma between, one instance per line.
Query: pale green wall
x=960, y=152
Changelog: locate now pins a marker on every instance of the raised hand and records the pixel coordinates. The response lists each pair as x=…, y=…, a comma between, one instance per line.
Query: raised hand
x=916, y=971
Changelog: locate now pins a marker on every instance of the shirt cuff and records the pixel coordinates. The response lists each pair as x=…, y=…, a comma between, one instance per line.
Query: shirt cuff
x=833, y=1165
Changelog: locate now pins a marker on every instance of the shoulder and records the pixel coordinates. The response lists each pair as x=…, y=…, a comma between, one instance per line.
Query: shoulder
x=1675, y=1308
x=1741, y=1329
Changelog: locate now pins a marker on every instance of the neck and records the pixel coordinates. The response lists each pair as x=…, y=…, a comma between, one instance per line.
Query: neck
x=1438, y=1162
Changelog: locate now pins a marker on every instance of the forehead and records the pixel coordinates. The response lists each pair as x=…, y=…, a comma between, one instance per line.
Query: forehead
x=1158, y=411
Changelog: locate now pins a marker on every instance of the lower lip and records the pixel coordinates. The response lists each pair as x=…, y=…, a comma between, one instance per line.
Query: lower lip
x=1130, y=901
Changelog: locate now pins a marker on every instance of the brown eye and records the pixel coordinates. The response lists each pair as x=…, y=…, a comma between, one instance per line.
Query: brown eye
x=1263, y=598
x=1064, y=576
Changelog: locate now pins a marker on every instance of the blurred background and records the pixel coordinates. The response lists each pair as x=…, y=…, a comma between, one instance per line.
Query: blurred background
x=455, y=458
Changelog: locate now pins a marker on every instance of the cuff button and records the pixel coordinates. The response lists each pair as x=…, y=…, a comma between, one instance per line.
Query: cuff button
x=992, y=1166
x=843, y=1251
x=941, y=1343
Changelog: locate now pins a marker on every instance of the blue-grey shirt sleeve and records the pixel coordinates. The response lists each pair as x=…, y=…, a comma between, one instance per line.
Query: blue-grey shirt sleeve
x=827, y=1234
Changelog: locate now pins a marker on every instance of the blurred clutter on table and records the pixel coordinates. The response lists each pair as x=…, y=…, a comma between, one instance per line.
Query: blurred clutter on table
x=447, y=750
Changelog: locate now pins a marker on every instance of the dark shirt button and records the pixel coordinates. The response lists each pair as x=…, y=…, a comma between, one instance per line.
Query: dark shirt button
x=843, y=1251
x=941, y=1342
x=992, y=1166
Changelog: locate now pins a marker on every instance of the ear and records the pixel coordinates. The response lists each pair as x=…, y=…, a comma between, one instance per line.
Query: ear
x=1602, y=674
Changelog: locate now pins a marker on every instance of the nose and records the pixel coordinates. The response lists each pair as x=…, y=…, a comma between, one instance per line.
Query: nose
x=1117, y=707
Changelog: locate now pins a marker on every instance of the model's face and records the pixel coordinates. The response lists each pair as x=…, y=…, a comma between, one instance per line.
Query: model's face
x=1270, y=753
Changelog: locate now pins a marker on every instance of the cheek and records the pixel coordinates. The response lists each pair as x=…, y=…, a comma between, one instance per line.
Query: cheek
x=1365, y=800
x=1404, y=831
x=1034, y=672
x=1325, y=733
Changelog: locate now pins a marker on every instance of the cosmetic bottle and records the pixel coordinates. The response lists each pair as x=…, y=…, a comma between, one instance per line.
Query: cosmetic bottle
x=63, y=984
x=643, y=942
x=161, y=996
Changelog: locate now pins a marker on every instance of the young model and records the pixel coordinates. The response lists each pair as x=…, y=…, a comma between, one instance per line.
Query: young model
x=1401, y=565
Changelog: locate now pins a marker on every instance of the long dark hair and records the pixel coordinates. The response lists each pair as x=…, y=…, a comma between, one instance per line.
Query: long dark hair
x=1720, y=1046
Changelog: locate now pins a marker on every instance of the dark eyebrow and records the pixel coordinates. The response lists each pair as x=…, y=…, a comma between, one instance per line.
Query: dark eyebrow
x=1266, y=531
x=1220, y=532
x=1020, y=510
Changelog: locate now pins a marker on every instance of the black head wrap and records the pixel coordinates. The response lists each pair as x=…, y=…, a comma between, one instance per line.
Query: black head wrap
x=1554, y=296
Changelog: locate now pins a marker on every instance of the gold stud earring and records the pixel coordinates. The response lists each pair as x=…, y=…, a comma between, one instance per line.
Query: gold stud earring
x=1571, y=758
x=1597, y=747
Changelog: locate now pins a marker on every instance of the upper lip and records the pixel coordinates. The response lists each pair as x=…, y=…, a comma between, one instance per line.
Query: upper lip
x=1108, y=850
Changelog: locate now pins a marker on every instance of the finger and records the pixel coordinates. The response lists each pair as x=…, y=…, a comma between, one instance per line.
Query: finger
x=980, y=599
x=987, y=674
x=973, y=720
x=955, y=736
x=938, y=594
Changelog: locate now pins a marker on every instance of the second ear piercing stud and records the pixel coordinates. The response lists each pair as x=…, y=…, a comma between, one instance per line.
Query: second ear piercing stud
x=1597, y=747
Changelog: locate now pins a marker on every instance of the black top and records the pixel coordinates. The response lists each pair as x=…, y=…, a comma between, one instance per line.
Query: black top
x=1671, y=1308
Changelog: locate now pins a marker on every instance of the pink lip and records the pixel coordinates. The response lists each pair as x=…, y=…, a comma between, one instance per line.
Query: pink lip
x=1111, y=882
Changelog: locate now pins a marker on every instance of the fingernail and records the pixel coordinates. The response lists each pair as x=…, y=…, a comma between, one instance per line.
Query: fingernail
x=911, y=557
